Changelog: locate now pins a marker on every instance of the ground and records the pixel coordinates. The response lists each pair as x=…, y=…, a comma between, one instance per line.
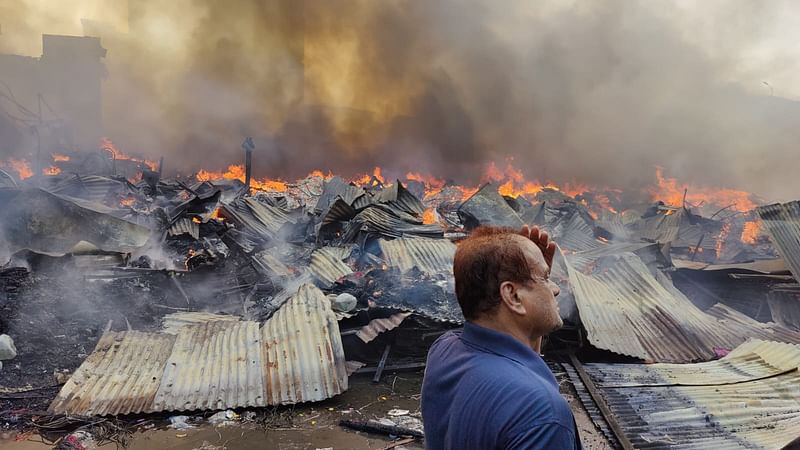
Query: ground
x=311, y=426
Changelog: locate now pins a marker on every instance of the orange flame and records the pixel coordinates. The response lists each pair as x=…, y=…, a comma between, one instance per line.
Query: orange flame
x=671, y=192
x=20, y=166
x=366, y=179
x=514, y=183
x=52, y=170
x=120, y=155
x=127, y=201
x=238, y=172
x=429, y=216
x=723, y=234
x=751, y=232
x=57, y=157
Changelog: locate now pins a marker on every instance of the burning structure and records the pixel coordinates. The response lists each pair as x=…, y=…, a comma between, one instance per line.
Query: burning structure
x=275, y=292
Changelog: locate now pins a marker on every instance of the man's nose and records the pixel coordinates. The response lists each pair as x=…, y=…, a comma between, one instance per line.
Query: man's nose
x=554, y=288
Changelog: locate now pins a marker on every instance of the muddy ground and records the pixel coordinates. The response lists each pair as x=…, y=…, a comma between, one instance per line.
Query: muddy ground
x=310, y=426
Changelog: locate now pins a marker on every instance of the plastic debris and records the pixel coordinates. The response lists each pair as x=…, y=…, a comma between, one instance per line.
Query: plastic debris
x=180, y=423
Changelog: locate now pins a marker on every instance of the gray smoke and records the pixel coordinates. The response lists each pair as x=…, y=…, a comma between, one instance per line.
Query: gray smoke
x=597, y=92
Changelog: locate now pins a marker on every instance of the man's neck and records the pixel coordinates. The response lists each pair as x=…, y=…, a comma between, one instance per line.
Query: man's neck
x=500, y=326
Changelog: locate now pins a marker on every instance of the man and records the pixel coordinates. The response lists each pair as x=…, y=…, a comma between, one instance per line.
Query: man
x=486, y=387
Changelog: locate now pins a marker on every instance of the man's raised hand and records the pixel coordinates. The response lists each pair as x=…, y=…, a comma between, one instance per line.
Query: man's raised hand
x=542, y=240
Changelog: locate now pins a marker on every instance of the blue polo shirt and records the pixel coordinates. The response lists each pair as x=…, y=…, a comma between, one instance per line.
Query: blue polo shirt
x=486, y=390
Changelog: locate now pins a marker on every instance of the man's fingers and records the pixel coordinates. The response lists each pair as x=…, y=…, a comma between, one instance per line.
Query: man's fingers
x=525, y=231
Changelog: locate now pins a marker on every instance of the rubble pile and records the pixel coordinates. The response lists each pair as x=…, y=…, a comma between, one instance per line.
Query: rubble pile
x=278, y=289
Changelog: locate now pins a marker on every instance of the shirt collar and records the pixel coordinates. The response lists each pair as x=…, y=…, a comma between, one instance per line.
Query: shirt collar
x=504, y=344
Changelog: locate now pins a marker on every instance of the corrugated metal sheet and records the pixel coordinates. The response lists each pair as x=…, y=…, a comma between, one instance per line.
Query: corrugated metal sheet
x=327, y=266
x=270, y=264
x=213, y=365
x=337, y=188
x=397, y=196
x=648, y=252
x=185, y=225
x=380, y=221
x=487, y=207
x=370, y=331
x=121, y=376
x=785, y=308
x=296, y=356
x=575, y=234
x=91, y=187
x=626, y=310
x=739, y=324
x=339, y=211
x=782, y=222
x=428, y=255
x=255, y=217
x=172, y=323
x=764, y=266
x=748, y=399
x=270, y=216
x=303, y=354
x=46, y=222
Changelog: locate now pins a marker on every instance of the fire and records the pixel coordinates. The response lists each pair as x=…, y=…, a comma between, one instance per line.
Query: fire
x=52, y=170
x=671, y=192
x=319, y=174
x=238, y=172
x=514, y=183
x=106, y=144
x=59, y=158
x=216, y=215
x=128, y=201
x=429, y=216
x=196, y=219
x=366, y=179
x=20, y=166
x=427, y=180
x=723, y=234
x=751, y=232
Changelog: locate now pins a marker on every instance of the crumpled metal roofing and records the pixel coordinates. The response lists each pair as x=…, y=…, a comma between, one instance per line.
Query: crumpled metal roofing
x=172, y=323
x=327, y=265
x=488, y=207
x=428, y=255
x=271, y=216
x=740, y=324
x=382, y=221
x=397, y=196
x=49, y=223
x=748, y=399
x=626, y=310
x=648, y=252
x=121, y=376
x=296, y=356
x=185, y=225
x=782, y=222
x=785, y=308
x=91, y=187
x=255, y=217
x=303, y=355
x=213, y=365
x=337, y=188
x=575, y=234
x=370, y=331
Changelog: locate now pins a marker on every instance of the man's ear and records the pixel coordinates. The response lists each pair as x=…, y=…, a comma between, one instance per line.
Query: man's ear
x=509, y=298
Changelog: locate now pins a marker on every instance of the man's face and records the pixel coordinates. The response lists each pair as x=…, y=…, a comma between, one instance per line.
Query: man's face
x=539, y=295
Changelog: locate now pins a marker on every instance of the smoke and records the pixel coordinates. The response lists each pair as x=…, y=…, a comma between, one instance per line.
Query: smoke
x=597, y=92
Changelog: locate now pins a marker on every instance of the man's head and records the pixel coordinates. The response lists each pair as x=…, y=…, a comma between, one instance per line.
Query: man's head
x=503, y=277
